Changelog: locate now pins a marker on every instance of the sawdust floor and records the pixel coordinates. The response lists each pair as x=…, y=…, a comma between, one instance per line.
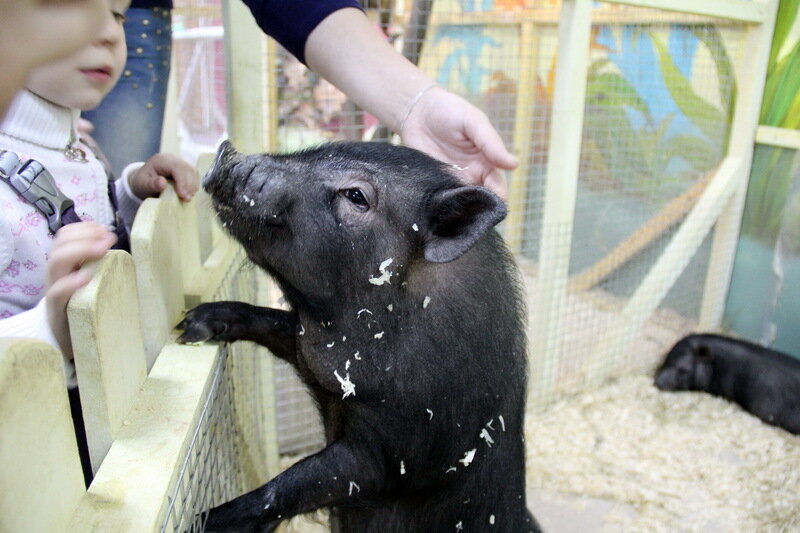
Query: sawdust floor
x=630, y=458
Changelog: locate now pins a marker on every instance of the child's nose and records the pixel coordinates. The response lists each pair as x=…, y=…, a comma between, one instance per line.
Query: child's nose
x=111, y=30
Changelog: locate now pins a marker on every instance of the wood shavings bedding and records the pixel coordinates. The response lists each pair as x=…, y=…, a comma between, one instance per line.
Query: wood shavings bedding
x=664, y=461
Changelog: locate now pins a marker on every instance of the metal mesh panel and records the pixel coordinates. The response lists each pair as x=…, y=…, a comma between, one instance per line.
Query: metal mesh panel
x=208, y=474
x=659, y=97
x=299, y=426
x=230, y=446
x=657, y=112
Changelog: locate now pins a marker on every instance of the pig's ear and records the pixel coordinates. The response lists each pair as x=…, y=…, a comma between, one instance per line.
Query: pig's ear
x=704, y=353
x=457, y=218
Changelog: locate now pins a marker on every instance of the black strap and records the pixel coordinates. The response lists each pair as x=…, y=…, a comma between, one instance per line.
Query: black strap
x=123, y=239
x=34, y=183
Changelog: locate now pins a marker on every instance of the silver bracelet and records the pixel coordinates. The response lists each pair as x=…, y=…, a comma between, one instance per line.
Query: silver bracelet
x=412, y=104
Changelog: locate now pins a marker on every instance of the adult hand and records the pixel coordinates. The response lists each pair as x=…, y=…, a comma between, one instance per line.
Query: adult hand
x=449, y=128
x=74, y=246
x=366, y=68
x=151, y=179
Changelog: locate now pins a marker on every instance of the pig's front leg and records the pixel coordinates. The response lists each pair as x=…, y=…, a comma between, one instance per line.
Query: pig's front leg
x=331, y=477
x=233, y=321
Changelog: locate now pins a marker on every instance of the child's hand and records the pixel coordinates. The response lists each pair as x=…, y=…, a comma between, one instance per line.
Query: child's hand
x=75, y=244
x=151, y=179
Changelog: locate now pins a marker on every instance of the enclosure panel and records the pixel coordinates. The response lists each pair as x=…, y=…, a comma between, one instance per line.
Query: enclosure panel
x=560, y=190
x=762, y=304
x=740, y=10
x=248, y=110
x=658, y=104
x=128, y=491
x=110, y=359
x=764, y=301
x=159, y=270
x=234, y=446
x=751, y=83
x=40, y=472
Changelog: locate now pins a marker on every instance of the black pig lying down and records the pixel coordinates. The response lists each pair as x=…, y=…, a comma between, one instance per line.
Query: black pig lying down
x=764, y=382
x=407, y=326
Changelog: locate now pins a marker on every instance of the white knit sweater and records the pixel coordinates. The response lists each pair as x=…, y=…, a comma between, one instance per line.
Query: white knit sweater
x=30, y=125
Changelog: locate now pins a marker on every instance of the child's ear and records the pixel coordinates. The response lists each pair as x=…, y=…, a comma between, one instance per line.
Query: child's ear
x=457, y=218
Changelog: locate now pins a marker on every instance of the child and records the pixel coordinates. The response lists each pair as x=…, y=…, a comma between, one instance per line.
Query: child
x=33, y=32
x=39, y=273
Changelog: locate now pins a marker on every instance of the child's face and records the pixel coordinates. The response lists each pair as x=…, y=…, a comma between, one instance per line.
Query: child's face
x=81, y=80
x=33, y=32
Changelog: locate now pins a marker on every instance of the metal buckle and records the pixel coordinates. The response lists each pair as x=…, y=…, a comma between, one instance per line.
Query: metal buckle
x=35, y=184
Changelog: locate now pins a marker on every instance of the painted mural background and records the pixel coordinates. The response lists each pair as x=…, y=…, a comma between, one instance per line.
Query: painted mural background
x=659, y=99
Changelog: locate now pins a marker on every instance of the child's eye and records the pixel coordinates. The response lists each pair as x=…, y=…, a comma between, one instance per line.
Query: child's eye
x=119, y=17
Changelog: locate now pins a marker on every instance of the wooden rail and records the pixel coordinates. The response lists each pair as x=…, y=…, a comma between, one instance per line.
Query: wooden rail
x=151, y=407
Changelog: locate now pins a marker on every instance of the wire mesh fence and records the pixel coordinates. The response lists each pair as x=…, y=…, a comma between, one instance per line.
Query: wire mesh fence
x=659, y=97
x=233, y=437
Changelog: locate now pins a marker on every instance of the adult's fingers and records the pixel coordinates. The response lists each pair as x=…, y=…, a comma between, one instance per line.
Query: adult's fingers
x=481, y=132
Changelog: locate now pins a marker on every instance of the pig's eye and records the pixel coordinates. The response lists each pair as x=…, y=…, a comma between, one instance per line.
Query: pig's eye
x=357, y=198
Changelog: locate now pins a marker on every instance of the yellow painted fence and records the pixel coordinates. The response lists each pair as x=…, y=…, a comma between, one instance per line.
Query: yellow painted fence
x=172, y=429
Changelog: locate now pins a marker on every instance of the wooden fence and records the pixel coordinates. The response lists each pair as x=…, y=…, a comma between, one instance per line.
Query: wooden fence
x=172, y=429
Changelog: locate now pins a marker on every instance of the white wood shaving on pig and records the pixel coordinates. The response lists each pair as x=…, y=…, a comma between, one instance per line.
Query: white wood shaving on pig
x=487, y=437
x=348, y=387
x=468, y=457
x=385, y=273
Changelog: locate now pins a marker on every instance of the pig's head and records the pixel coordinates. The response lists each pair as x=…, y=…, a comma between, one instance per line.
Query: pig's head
x=687, y=366
x=327, y=220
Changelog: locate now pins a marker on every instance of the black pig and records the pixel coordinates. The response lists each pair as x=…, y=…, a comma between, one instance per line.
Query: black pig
x=764, y=382
x=406, y=324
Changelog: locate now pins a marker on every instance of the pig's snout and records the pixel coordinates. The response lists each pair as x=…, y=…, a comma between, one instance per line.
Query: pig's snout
x=230, y=173
x=226, y=159
x=665, y=379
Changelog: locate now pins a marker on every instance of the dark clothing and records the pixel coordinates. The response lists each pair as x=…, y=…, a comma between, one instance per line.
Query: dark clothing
x=150, y=4
x=80, y=434
x=290, y=23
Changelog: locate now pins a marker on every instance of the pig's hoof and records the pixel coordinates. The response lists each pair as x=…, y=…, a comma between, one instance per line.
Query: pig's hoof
x=218, y=520
x=203, y=323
